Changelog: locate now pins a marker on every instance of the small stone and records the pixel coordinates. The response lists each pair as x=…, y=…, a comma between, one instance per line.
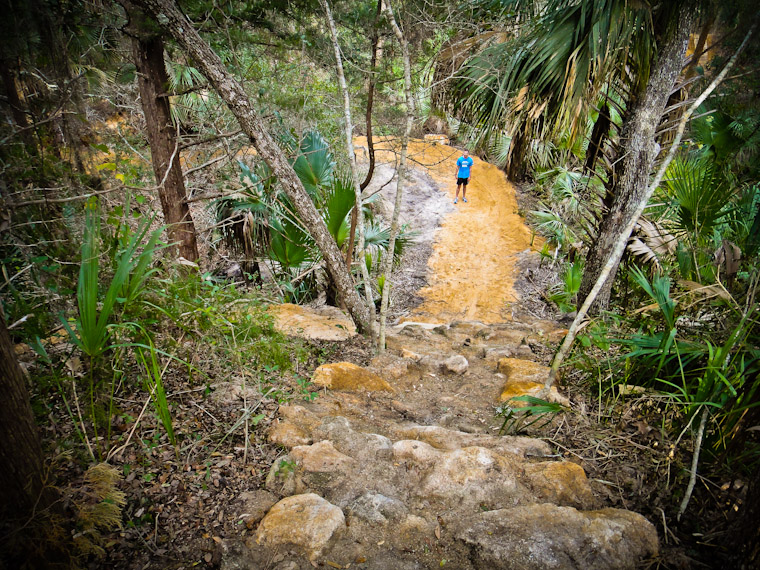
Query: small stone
x=405, y=353
x=288, y=435
x=348, y=377
x=306, y=520
x=457, y=364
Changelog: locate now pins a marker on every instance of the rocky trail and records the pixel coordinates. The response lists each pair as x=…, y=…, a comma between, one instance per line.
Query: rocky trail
x=400, y=465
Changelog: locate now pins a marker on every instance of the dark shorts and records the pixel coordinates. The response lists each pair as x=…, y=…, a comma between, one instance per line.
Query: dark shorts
x=462, y=181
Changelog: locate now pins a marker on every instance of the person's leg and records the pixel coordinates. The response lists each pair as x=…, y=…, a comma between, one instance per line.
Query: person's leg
x=464, y=190
x=456, y=198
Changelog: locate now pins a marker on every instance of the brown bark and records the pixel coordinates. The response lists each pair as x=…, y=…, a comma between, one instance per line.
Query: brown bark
x=148, y=53
x=232, y=92
x=22, y=481
x=17, y=110
x=518, y=150
x=376, y=50
x=691, y=69
x=639, y=150
x=409, y=112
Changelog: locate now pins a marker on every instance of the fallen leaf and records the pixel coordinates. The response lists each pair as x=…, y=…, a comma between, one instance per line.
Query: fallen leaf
x=438, y=532
x=332, y=564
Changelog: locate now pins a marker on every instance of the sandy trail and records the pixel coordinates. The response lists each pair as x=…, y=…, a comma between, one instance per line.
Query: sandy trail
x=472, y=269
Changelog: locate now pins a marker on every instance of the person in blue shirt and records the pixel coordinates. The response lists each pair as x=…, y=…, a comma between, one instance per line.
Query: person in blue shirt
x=464, y=165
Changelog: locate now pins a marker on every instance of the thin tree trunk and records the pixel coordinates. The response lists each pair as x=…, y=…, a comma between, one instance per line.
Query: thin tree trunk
x=691, y=69
x=148, y=53
x=622, y=239
x=639, y=151
x=348, y=131
x=232, y=92
x=388, y=261
x=22, y=479
x=17, y=110
x=377, y=50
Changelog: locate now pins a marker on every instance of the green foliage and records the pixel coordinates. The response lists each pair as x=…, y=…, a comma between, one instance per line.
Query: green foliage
x=565, y=294
x=92, y=331
x=696, y=371
x=519, y=418
x=154, y=384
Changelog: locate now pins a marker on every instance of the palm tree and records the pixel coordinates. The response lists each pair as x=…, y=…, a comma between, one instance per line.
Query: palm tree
x=547, y=78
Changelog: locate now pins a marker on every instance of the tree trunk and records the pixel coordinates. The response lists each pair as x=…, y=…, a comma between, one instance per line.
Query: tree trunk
x=518, y=151
x=377, y=50
x=17, y=110
x=409, y=111
x=22, y=480
x=232, y=92
x=358, y=213
x=148, y=52
x=639, y=150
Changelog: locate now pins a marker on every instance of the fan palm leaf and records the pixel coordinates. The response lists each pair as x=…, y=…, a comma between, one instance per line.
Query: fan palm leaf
x=314, y=164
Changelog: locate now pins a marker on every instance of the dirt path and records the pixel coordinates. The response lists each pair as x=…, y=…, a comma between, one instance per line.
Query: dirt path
x=471, y=270
x=399, y=463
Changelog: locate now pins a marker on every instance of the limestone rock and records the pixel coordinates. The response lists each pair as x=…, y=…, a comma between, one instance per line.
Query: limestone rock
x=523, y=370
x=255, y=505
x=447, y=439
x=416, y=451
x=473, y=475
x=456, y=364
x=359, y=445
x=408, y=354
x=537, y=537
x=498, y=352
x=526, y=378
x=560, y=482
x=282, y=478
x=349, y=377
x=375, y=508
x=324, y=323
x=389, y=366
x=288, y=435
x=515, y=388
x=414, y=530
x=299, y=416
x=307, y=521
x=321, y=457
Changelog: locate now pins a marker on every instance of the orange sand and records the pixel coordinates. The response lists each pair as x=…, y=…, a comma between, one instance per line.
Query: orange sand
x=472, y=269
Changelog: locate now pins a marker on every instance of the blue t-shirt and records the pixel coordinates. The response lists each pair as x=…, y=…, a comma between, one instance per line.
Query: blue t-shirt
x=464, y=165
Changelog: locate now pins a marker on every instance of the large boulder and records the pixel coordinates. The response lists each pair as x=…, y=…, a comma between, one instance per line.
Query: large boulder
x=348, y=377
x=545, y=536
x=307, y=521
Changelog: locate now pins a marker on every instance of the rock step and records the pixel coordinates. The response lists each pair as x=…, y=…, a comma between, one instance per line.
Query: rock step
x=398, y=466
